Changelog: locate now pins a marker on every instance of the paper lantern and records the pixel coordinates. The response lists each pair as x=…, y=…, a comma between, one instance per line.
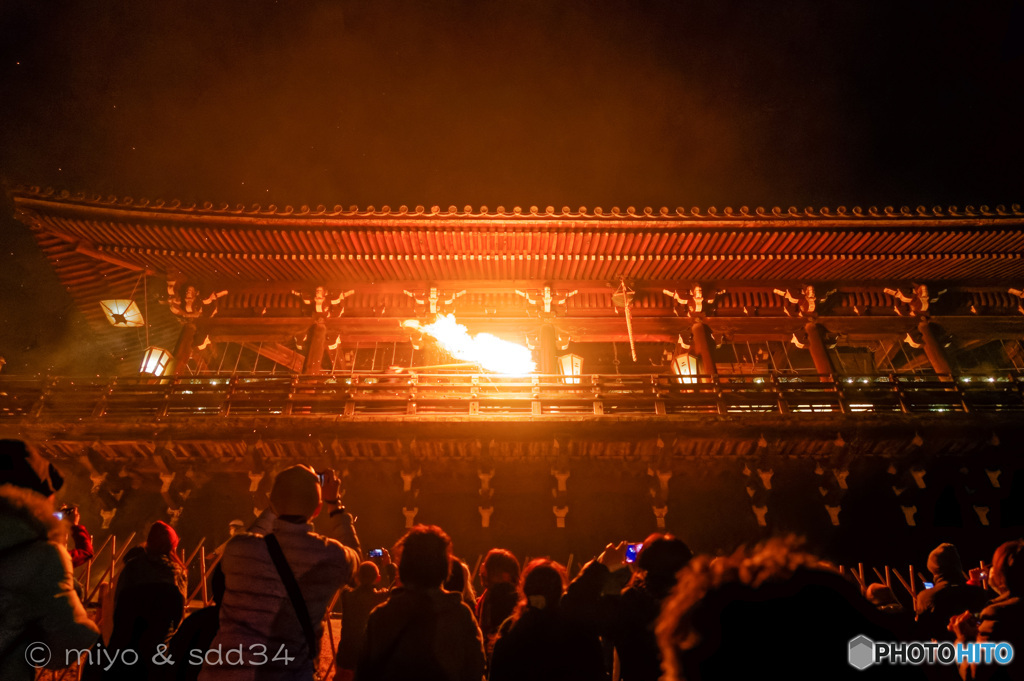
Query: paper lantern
x=122, y=313
x=156, y=361
x=685, y=366
x=571, y=367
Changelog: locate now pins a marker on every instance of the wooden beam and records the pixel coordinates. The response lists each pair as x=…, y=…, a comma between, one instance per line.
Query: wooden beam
x=886, y=436
x=278, y=353
x=86, y=248
x=921, y=361
x=884, y=354
x=658, y=327
x=96, y=254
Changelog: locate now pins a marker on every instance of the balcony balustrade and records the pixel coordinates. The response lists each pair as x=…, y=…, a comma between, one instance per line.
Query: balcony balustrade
x=366, y=396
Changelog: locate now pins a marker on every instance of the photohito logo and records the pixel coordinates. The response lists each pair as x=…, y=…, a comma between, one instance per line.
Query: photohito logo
x=863, y=652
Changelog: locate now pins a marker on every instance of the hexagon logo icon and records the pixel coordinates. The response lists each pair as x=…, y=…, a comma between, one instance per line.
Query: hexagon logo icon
x=862, y=652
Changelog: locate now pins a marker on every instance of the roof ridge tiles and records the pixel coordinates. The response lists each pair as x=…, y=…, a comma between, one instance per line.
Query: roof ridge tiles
x=419, y=211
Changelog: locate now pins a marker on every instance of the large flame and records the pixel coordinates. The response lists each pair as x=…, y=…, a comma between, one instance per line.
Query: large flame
x=490, y=352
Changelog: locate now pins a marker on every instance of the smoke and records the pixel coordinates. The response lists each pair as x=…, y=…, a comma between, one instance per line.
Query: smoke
x=512, y=103
x=498, y=102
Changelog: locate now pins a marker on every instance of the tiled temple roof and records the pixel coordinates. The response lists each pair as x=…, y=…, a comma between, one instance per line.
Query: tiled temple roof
x=501, y=212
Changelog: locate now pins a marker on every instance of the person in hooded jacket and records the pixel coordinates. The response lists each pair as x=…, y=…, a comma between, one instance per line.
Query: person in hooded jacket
x=950, y=595
x=38, y=603
x=149, y=603
x=422, y=632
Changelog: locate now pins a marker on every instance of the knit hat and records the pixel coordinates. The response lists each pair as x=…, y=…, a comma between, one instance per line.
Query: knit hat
x=296, y=492
x=162, y=539
x=27, y=469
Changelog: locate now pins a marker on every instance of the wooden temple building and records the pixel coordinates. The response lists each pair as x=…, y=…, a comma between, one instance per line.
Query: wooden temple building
x=723, y=374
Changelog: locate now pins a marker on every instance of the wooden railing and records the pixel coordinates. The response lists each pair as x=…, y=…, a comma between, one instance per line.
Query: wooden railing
x=367, y=395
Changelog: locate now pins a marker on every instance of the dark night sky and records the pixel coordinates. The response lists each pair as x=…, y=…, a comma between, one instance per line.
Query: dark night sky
x=513, y=102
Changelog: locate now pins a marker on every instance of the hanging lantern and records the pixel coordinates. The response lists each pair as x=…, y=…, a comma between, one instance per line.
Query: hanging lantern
x=122, y=313
x=685, y=366
x=156, y=361
x=571, y=367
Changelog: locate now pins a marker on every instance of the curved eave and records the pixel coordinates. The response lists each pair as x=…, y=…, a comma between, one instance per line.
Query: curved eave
x=238, y=246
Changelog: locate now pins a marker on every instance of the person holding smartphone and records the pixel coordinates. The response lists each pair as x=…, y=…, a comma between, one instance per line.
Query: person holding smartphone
x=626, y=619
x=80, y=537
x=278, y=586
x=1002, y=620
x=950, y=595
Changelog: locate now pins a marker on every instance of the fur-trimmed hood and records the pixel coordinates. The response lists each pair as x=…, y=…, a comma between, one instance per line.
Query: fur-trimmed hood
x=25, y=515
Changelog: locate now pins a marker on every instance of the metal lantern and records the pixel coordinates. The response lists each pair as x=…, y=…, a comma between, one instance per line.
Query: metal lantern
x=122, y=313
x=156, y=361
x=571, y=367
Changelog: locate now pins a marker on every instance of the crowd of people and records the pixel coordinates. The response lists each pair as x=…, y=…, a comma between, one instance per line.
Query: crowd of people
x=635, y=612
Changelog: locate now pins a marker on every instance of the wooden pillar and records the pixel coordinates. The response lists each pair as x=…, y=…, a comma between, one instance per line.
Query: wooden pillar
x=183, y=350
x=933, y=348
x=819, y=353
x=702, y=345
x=548, y=350
x=315, y=350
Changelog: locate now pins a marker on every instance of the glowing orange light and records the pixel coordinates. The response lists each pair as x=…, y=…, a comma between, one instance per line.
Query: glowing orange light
x=156, y=361
x=490, y=352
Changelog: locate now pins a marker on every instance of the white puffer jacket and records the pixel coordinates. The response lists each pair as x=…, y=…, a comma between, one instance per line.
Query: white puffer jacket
x=38, y=603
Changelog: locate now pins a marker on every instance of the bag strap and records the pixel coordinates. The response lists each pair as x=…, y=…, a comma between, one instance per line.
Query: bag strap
x=294, y=594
